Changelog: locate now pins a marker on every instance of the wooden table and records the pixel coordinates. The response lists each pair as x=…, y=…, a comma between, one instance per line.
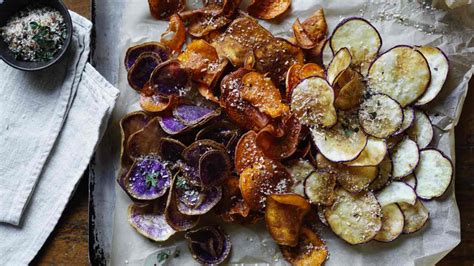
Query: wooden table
x=67, y=245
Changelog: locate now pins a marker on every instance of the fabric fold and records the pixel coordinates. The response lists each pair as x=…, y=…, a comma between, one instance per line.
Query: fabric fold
x=33, y=108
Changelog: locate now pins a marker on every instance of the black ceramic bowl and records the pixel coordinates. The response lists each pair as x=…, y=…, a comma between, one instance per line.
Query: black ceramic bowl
x=8, y=8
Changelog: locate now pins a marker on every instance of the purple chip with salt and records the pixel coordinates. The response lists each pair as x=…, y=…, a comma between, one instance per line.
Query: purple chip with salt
x=196, y=201
x=214, y=167
x=148, y=179
x=171, y=124
x=150, y=221
x=193, y=115
x=170, y=78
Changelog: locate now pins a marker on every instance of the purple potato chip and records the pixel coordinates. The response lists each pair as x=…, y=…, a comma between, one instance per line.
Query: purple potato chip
x=169, y=78
x=192, y=115
x=222, y=132
x=171, y=149
x=140, y=73
x=171, y=124
x=214, y=167
x=151, y=47
x=148, y=179
x=130, y=124
x=147, y=140
x=197, y=201
x=193, y=153
x=177, y=220
x=150, y=221
x=209, y=245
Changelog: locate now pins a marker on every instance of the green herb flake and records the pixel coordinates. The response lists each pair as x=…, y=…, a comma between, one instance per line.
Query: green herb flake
x=162, y=256
x=152, y=179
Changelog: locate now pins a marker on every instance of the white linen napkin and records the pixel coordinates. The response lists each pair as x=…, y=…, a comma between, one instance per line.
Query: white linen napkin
x=50, y=124
x=33, y=108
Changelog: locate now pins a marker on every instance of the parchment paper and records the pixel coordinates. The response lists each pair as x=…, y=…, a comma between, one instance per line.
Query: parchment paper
x=399, y=22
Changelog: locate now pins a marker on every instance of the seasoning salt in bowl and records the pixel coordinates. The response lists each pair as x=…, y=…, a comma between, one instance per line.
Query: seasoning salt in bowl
x=34, y=34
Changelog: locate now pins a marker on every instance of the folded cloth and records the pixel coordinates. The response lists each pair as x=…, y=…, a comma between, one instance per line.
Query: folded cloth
x=50, y=124
x=83, y=128
x=33, y=108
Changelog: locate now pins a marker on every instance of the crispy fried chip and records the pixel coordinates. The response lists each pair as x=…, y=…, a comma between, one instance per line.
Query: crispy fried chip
x=155, y=103
x=202, y=59
x=272, y=55
x=311, y=34
x=263, y=179
x=353, y=179
x=232, y=207
x=356, y=218
x=263, y=94
x=302, y=38
x=238, y=110
x=296, y=73
x=162, y=9
x=280, y=147
x=247, y=152
x=146, y=141
x=284, y=215
x=175, y=36
x=268, y=9
x=312, y=101
x=351, y=93
x=310, y=250
x=276, y=57
x=292, y=79
x=212, y=17
x=130, y=124
x=311, y=70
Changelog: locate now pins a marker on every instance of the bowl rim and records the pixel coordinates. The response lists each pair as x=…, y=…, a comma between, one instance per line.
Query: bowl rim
x=67, y=42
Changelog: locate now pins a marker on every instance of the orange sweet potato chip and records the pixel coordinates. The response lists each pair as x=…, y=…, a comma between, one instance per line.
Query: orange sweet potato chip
x=232, y=208
x=247, y=151
x=310, y=250
x=155, y=103
x=302, y=38
x=241, y=112
x=268, y=9
x=175, y=36
x=211, y=17
x=202, y=59
x=262, y=179
x=263, y=94
x=311, y=34
x=311, y=70
x=271, y=55
x=284, y=216
x=280, y=140
x=163, y=9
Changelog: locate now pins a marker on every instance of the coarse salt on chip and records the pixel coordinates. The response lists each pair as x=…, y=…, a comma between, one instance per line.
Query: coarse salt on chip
x=263, y=94
x=284, y=215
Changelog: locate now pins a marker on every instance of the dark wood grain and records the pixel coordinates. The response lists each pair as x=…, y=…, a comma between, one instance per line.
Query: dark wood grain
x=67, y=245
